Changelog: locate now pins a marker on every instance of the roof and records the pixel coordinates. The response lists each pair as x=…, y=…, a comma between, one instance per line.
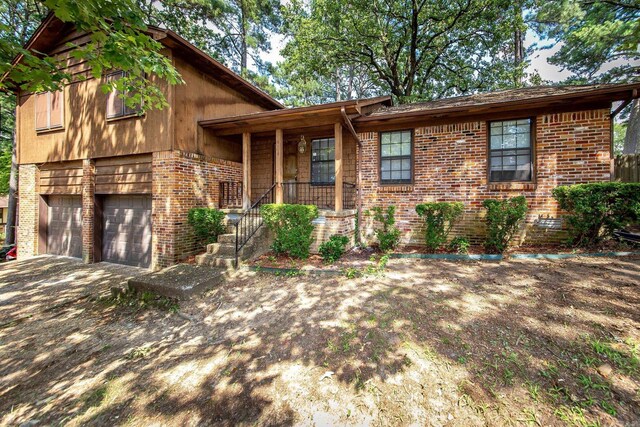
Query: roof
x=486, y=102
x=52, y=28
x=309, y=116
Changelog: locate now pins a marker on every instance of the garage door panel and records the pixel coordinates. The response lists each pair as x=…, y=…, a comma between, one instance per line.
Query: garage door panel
x=127, y=230
x=64, y=226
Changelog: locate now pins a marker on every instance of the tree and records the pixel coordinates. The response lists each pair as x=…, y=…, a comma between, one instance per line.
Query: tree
x=414, y=49
x=599, y=42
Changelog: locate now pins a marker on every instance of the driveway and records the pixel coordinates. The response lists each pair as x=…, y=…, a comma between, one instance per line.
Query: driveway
x=430, y=343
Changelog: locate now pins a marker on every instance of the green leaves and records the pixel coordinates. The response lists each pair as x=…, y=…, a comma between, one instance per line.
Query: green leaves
x=334, y=248
x=387, y=234
x=503, y=220
x=292, y=225
x=207, y=224
x=439, y=218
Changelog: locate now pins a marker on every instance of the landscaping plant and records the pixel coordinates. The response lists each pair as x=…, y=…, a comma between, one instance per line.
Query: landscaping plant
x=459, y=245
x=207, y=224
x=503, y=219
x=596, y=210
x=334, y=248
x=388, y=234
x=439, y=218
x=292, y=226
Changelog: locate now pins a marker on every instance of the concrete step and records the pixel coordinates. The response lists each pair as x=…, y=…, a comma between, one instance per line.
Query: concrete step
x=227, y=238
x=211, y=260
x=228, y=249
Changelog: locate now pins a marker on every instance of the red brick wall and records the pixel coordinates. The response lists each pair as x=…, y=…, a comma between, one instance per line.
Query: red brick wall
x=88, y=211
x=451, y=165
x=182, y=181
x=28, y=211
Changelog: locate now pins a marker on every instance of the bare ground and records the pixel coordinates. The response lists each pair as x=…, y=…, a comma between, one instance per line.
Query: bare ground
x=432, y=343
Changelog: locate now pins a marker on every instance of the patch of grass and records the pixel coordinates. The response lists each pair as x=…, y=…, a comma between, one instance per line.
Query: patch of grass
x=131, y=298
x=608, y=408
x=138, y=353
x=534, y=390
x=550, y=372
x=628, y=363
x=96, y=397
x=588, y=383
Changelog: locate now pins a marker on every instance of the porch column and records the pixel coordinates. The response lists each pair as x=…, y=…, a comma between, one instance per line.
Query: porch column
x=279, y=165
x=338, y=166
x=246, y=170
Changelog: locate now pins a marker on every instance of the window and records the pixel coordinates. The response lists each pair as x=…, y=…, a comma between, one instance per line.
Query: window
x=116, y=106
x=395, y=157
x=510, y=151
x=49, y=110
x=323, y=161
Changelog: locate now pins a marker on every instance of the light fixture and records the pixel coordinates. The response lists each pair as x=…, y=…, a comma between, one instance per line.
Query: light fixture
x=302, y=145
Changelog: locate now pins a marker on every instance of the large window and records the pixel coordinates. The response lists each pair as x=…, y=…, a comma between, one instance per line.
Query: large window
x=395, y=157
x=323, y=161
x=116, y=106
x=510, y=151
x=49, y=110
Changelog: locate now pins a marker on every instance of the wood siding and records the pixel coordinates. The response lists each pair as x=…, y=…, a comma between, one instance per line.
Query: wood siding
x=124, y=175
x=61, y=178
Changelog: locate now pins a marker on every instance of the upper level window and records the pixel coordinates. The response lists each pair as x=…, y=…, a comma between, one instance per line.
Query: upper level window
x=116, y=106
x=49, y=110
x=323, y=161
x=395, y=157
x=510, y=151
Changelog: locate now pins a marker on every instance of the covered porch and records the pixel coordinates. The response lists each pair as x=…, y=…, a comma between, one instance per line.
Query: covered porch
x=305, y=155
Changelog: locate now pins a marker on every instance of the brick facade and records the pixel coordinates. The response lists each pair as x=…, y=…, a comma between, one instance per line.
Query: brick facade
x=182, y=181
x=330, y=223
x=450, y=164
x=28, y=211
x=88, y=209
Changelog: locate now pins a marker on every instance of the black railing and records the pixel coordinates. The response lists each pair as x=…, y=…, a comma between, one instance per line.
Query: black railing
x=230, y=194
x=250, y=221
x=320, y=195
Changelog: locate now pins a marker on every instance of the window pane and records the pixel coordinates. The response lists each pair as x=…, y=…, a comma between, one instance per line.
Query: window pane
x=396, y=137
x=385, y=165
x=42, y=111
x=386, y=138
x=496, y=142
x=396, y=150
x=386, y=151
x=395, y=153
x=496, y=163
x=56, y=108
x=396, y=175
x=509, y=141
x=406, y=175
x=406, y=164
x=385, y=175
x=524, y=140
x=406, y=148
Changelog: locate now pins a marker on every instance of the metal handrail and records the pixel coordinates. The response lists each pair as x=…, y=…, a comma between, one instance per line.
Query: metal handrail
x=250, y=221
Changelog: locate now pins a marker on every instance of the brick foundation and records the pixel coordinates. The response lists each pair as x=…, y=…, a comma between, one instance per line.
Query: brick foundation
x=329, y=223
x=28, y=211
x=88, y=209
x=182, y=181
x=451, y=165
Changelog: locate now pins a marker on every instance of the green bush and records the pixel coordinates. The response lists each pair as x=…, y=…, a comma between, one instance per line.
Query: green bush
x=207, y=224
x=460, y=245
x=292, y=225
x=334, y=248
x=503, y=219
x=439, y=218
x=596, y=210
x=388, y=235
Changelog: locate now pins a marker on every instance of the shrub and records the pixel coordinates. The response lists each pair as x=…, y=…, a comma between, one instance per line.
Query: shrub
x=503, y=219
x=439, y=218
x=388, y=235
x=292, y=225
x=334, y=248
x=596, y=210
x=460, y=245
x=207, y=224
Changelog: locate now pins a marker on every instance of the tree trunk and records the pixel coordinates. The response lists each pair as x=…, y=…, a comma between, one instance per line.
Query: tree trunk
x=632, y=138
x=10, y=237
x=243, y=54
x=338, y=92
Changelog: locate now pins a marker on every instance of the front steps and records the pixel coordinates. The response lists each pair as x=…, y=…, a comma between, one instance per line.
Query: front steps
x=222, y=254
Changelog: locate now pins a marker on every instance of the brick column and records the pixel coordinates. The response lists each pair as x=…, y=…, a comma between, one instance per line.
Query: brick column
x=163, y=228
x=88, y=209
x=28, y=211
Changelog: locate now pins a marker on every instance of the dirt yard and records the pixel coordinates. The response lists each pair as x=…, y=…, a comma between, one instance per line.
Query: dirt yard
x=430, y=343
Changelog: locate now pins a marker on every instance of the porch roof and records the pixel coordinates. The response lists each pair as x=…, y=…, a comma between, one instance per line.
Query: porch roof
x=295, y=118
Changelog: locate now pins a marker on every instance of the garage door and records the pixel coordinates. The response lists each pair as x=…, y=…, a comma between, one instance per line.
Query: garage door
x=64, y=226
x=126, y=229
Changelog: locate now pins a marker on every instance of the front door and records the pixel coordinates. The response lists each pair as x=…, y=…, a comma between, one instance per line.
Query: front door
x=290, y=173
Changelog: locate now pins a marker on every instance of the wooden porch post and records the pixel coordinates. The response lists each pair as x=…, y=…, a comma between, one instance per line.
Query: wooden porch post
x=246, y=170
x=338, y=166
x=279, y=165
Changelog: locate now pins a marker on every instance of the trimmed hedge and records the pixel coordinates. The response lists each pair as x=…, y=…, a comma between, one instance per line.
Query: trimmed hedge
x=207, y=224
x=292, y=225
x=439, y=218
x=334, y=248
x=597, y=210
x=503, y=219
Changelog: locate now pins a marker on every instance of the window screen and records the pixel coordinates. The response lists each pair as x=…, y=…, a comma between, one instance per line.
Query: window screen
x=323, y=161
x=395, y=157
x=510, y=151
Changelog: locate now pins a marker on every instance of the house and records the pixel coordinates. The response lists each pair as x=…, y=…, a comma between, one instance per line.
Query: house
x=4, y=213
x=99, y=182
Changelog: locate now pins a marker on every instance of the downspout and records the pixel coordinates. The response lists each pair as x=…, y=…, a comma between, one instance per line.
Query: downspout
x=349, y=125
